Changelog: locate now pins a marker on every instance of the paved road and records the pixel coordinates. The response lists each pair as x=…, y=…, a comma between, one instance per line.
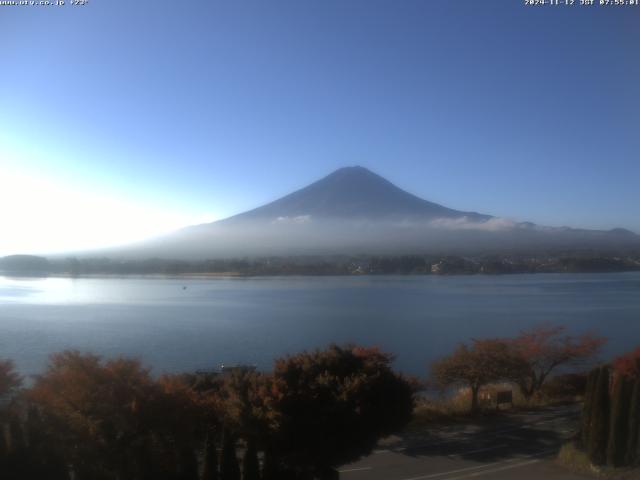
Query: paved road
x=513, y=446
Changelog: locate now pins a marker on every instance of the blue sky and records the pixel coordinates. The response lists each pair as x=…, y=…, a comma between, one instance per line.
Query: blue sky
x=122, y=119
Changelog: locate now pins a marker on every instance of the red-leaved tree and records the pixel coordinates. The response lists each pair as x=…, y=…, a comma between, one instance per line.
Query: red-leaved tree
x=545, y=348
x=9, y=379
x=332, y=406
x=478, y=364
x=628, y=364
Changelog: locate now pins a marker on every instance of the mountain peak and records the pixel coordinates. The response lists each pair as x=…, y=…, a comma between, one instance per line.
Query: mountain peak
x=353, y=170
x=354, y=210
x=354, y=177
x=353, y=192
x=356, y=173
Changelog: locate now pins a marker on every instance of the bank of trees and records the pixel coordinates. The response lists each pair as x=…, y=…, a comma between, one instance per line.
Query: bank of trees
x=527, y=360
x=611, y=414
x=92, y=419
x=89, y=418
x=325, y=265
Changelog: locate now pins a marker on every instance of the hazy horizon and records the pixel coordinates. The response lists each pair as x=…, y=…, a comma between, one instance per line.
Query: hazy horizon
x=318, y=220
x=354, y=211
x=153, y=118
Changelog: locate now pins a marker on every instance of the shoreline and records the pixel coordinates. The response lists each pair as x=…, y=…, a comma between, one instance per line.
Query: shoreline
x=208, y=275
x=357, y=265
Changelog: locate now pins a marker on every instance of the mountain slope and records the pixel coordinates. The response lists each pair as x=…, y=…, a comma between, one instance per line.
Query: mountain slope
x=355, y=211
x=352, y=193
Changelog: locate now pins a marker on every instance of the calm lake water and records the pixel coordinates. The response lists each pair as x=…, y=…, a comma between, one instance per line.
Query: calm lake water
x=253, y=320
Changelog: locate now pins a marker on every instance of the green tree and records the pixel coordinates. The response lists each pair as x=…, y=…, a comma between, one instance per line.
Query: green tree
x=270, y=466
x=250, y=465
x=229, y=467
x=599, y=431
x=210, y=469
x=628, y=365
x=16, y=435
x=587, y=410
x=634, y=423
x=619, y=428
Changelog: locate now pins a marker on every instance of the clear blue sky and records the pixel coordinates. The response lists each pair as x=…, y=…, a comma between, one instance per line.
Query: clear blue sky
x=207, y=108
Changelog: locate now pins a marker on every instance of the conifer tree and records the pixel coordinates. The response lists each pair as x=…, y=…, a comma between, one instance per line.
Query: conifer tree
x=210, y=459
x=229, y=467
x=587, y=410
x=634, y=424
x=619, y=429
x=599, y=431
x=270, y=469
x=16, y=436
x=188, y=464
x=4, y=449
x=250, y=465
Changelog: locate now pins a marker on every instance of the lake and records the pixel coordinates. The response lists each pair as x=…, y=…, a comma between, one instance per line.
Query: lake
x=183, y=324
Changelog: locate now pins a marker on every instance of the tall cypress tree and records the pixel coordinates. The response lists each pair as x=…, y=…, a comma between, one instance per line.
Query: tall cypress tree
x=210, y=458
x=229, y=467
x=270, y=470
x=188, y=463
x=634, y=424
x=592, y=381
x=619, y=429
x=16, y=435
x=4, y=449
x=599, y=431
x=250, y=465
